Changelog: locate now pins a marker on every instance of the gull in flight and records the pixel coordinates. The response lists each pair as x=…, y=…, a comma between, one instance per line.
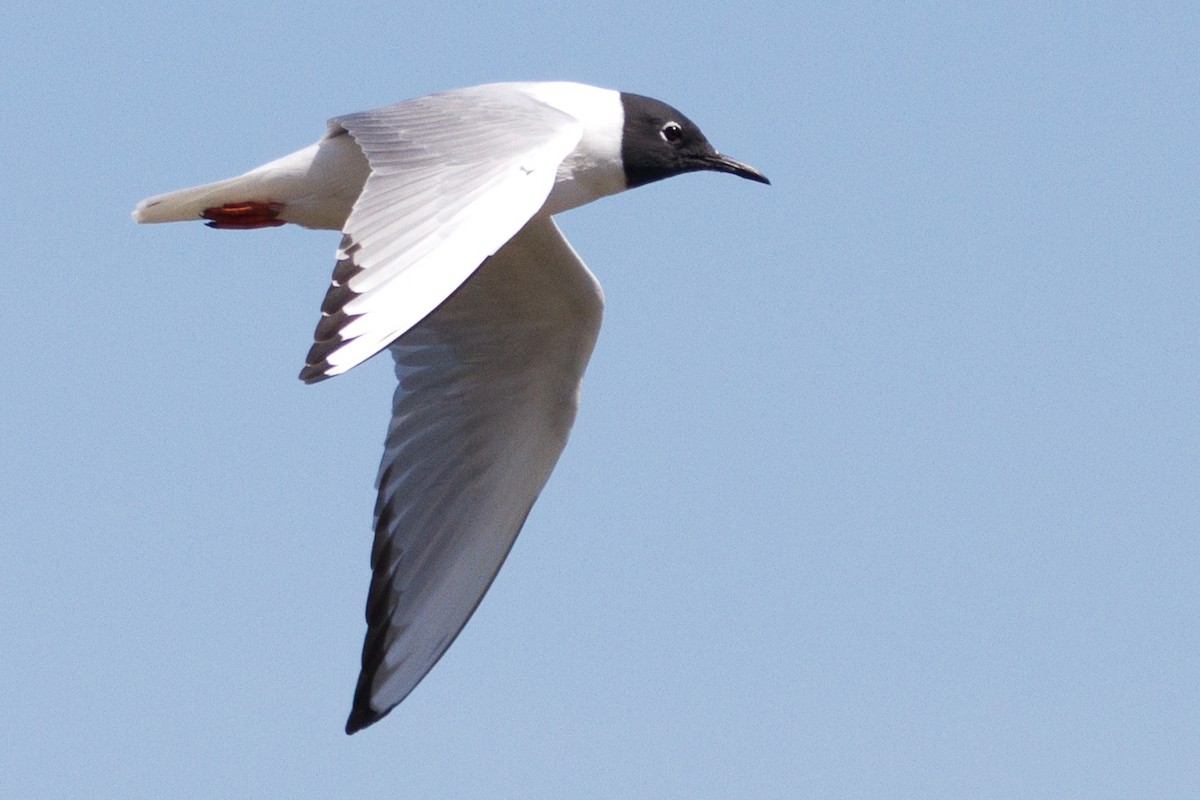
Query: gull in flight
x=450, y=260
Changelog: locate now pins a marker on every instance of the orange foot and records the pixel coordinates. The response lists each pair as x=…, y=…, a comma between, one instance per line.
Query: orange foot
x=250, y=214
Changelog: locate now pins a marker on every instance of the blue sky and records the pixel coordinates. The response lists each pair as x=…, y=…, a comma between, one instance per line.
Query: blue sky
x=885, y=478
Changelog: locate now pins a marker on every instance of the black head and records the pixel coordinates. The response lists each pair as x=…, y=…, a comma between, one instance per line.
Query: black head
x=658, y=142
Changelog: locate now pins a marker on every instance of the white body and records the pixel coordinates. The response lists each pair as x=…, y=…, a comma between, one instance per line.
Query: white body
x=319, y=185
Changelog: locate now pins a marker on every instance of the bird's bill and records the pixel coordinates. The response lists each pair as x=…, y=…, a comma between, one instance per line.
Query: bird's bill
x=722, y=163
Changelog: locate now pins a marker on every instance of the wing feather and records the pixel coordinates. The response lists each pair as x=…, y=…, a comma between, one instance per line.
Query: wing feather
x=453, y=177
x=488, y=387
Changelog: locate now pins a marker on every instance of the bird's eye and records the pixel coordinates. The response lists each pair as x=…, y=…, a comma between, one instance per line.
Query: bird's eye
x=672, y=132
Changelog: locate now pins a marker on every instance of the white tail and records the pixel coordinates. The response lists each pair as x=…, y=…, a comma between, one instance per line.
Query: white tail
x=188, y=204
x=315, y=187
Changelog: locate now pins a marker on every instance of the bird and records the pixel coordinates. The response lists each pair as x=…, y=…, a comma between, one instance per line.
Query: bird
x=450, y=259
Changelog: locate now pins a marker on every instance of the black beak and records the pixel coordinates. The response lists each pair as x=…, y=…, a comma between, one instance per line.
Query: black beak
x=720, y=163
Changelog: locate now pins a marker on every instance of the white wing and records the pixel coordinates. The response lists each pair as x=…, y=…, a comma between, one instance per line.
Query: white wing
x=488, y=390
x=453, y=177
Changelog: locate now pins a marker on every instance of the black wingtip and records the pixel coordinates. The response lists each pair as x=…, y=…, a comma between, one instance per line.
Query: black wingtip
x=362, y=716
x=326, y=341
x=315, y=373
x=359, y=719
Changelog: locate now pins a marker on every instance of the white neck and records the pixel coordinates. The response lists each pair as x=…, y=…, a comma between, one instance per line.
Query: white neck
x=593, y=169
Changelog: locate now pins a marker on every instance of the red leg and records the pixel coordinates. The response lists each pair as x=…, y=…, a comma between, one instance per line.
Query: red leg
x=250, y=214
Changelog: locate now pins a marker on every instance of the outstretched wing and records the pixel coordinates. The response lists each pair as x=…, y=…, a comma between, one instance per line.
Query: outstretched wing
x=488, y=390
x=453, y=177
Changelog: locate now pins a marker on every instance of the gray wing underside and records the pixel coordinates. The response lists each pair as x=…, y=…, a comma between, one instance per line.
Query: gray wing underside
x=487, y=395
x=452, y=177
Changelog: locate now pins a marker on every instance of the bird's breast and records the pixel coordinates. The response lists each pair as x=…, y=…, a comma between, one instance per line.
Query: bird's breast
x=593, y=169
x=581, y=179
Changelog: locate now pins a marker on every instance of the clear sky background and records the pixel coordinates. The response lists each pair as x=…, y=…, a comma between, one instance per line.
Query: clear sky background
x=886, y=481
